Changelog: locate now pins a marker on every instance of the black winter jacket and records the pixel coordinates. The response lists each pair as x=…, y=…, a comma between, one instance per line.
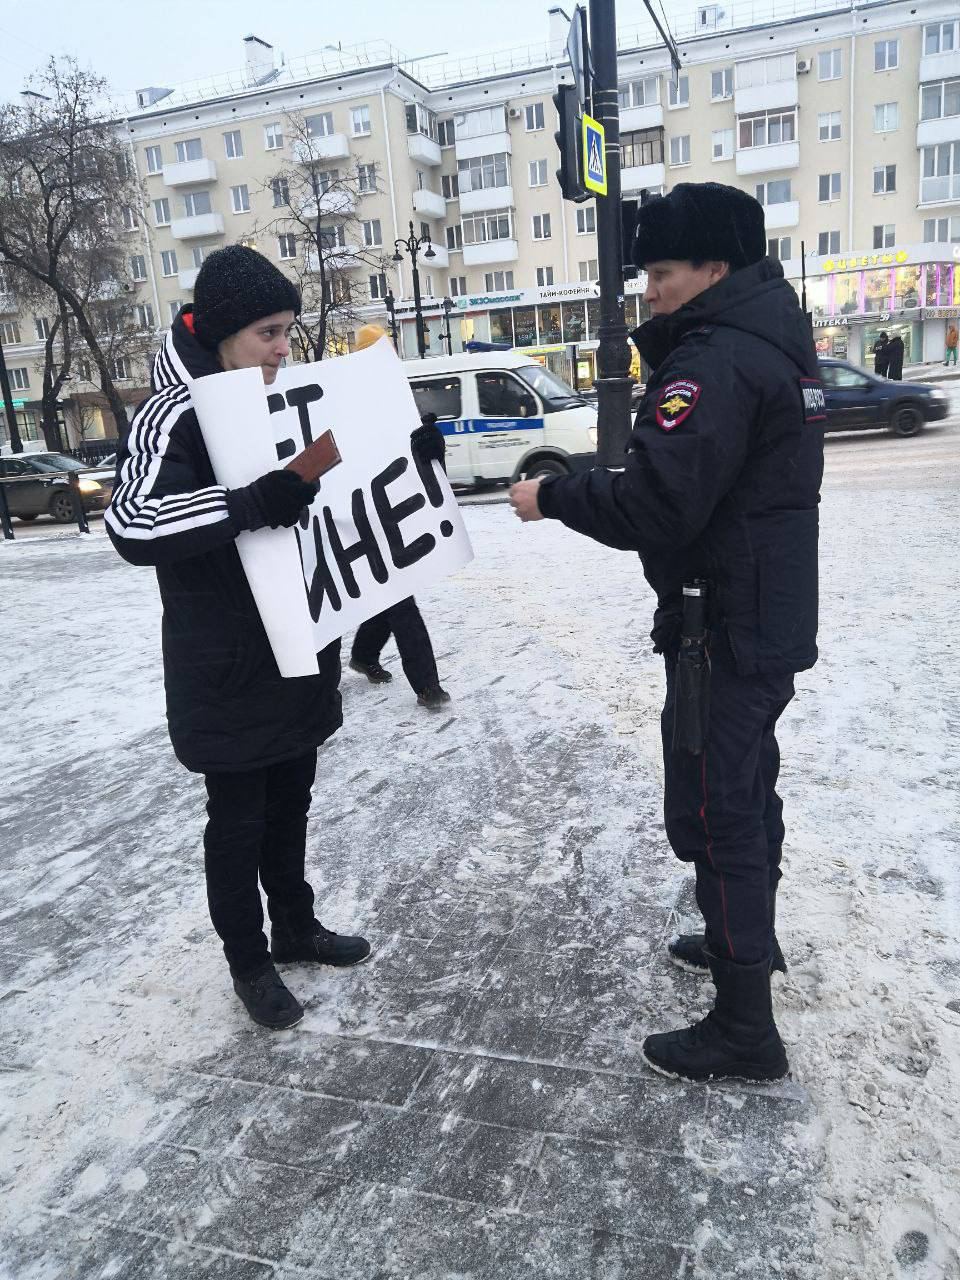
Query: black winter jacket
x=722, y=477
x=228, y=707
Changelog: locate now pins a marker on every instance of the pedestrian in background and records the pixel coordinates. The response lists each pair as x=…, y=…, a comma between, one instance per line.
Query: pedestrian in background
x=895, y=358
x=232, y=717
x=881, y=356
x=950, y=350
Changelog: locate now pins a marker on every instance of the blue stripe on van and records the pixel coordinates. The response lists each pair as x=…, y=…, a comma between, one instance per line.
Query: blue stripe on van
x=474, y=426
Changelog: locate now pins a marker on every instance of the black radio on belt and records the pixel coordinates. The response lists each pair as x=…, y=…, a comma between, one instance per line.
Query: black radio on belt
x=692, y=702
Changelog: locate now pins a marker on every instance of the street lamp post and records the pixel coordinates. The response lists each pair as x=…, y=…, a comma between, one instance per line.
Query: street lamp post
x=447, y=305
x=412, y=244
x=16, y=444
x=391, y=302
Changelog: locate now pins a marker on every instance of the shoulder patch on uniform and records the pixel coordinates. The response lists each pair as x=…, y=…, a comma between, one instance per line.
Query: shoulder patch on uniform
x=676, y=402
x=814, y=400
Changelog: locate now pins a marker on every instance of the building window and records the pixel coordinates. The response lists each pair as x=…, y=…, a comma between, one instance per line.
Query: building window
x=761, y=71
x=287, y=243
x=640, y=93
x=886, y=55
x=884, y=179
x=538, y=173
x=828, y=187
x=319, y=126
x=445, y=133
x=886, y=117
x=273, y=136
x=884, y=236
x=281, y=192
x=640, y=148
x=544, y=276
x=233, y=145
x=168, y=262
x=455, y=236
x=587, y=221
x=941, y=37
x=940, y=172
x=450, y=186
x=173, y=306
x=498, y=281
x=721, y=84
x=119, y=368
x=830, y=64
x=941, y=230
x=780, y=248
x=161, y=212
x=541, y=226
x=588, y=270
x=154, y=160
x=378, y=286
x=332, y=237
x=372, y=233
x=767, y=128
x=420, y=120
x=939, y=100
x=144, y=314
x=128, y=216
x=189, y=149
x=828, y=126
x=138, y=267
x=201, y=252
x=360, y=121
x=10, y=332
x=240, y=196
x=196, y=203
x=722, y=143
x=533, y=116
x=366, y=178
x=85, y=370
x=484, y=171
x=777, y=191
x=680, y=150
x=678, y=91
x=478, y=228
x=828, y=242
x=42, y=326
x=20, y=379
x=458, y=286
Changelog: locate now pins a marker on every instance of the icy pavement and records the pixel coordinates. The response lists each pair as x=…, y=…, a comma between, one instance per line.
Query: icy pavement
x=471, y=1103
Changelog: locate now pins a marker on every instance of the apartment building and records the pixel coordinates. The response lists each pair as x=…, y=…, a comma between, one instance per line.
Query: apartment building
x=844, y=120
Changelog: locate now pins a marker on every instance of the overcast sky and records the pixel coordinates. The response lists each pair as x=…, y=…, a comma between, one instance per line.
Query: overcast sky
x=167, y=43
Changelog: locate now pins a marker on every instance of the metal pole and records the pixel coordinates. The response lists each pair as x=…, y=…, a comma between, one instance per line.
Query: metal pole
x=613, y=355
x=418, y=311
x=16, y=444
x=78, y=512
x=5, y=521
x=391, y=312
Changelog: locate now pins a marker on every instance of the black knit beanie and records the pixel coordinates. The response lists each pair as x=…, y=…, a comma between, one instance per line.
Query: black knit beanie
x=235, y=287
x=701, y=222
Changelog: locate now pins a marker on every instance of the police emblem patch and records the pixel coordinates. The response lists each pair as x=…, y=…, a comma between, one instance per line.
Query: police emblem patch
x=676, y=402
x=814, y=400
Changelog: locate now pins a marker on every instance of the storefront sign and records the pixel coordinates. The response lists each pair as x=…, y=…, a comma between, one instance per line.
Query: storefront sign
x=929, y=313
x=878, y=259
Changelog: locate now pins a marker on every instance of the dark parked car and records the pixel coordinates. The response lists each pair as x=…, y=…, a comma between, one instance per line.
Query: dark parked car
x=48, y=493
x=859, y=399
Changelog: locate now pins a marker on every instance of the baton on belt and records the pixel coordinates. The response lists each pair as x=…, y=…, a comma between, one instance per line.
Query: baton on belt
x=691, y=718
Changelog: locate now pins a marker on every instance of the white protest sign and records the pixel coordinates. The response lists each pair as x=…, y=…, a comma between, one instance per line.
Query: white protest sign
x=382, y=526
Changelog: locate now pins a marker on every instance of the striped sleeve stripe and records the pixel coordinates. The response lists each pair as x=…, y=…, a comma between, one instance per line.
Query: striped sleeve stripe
x=138, y=533
x=145, y=445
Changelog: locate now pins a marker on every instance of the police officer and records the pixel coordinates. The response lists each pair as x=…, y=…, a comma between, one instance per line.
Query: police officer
x=720, y=484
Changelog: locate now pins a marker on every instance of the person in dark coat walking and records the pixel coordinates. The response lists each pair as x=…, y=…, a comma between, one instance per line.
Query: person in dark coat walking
x=718, y=493
x=881, y=355
x=895, y=352
x=232, y=717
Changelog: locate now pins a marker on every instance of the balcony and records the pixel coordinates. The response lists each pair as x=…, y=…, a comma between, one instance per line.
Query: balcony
x=643, y=177
x=188, y=277
x=940, y=66
x=189, y=173
x=339, y=257
x=478, y=255
x=423, y=149
x=772, y=159
x=633, y=119
x=429, y=204
x=766, y=97
x=932, y=132
x=201, y=224
x=778, y=216
x=490, y=144
x=486, y=198
x=329, y=146
x=337, y=203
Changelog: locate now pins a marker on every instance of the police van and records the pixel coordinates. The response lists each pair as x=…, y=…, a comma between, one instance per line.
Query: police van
x=504, y=416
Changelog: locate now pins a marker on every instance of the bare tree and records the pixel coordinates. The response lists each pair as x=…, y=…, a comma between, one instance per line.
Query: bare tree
x=315, y=204
x=68, y=198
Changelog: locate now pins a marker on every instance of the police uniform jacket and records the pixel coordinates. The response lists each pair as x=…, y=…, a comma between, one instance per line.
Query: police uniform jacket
x=228, y=708
x=722, y=475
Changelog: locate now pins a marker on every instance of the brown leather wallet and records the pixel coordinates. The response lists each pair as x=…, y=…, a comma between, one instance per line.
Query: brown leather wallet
x=316, y=459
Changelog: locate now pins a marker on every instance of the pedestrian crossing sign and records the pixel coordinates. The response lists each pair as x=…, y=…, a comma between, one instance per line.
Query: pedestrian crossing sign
x=594, y=156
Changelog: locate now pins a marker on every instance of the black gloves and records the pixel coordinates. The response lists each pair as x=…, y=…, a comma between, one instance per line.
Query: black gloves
x=427, y=441
x=276, y=499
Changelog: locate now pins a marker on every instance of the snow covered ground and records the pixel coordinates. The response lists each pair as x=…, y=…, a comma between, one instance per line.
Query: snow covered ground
x=471, y=1103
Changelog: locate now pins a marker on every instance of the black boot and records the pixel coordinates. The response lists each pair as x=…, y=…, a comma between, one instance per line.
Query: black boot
x=433, y=698
x=320, y=946
x=372, y=670
x=737, y=1039
x=688, y=950
x=268, y=1001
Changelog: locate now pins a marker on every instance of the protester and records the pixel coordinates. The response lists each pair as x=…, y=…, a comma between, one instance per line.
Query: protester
x=252, y=734
x=720, y=487
x=895, y=358
x=881, y=355
x=402, y=620
x=950, y=351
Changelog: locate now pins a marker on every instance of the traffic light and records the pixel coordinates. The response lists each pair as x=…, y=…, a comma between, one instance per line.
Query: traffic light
x=568, y=140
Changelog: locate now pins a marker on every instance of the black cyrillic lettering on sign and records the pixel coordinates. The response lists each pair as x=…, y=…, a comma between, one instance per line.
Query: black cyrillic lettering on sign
x=285, y=448
x=300, y=398
x=365, y=546
x=322, y=583
x=428, y=476
x=391, y=516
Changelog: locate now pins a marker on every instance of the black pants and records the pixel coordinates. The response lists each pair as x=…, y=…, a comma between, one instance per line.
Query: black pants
x=721, y=808
x=413, y=642
x=257, y=828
